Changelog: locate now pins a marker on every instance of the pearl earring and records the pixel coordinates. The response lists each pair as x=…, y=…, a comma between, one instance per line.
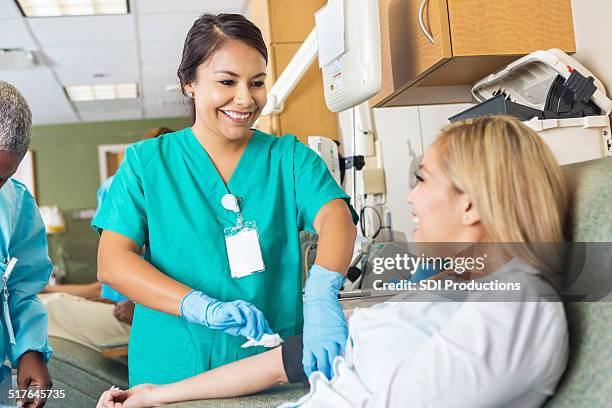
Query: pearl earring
x=466, y=217
x=190, y=94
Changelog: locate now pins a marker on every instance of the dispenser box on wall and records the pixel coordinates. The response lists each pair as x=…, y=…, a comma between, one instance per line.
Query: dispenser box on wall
x=354, y=75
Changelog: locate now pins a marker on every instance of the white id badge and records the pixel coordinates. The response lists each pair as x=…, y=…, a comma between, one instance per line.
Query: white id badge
x=243, y=250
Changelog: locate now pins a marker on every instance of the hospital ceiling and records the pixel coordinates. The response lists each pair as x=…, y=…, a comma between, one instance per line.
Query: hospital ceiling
x=142, y=47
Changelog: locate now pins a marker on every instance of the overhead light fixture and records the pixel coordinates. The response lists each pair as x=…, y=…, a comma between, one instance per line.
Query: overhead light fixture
x=56, y=8
x=84, y=93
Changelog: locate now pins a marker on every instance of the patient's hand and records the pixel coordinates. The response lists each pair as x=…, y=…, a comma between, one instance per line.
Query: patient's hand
x=111, y=398
x=136, y=397
x=124, y=311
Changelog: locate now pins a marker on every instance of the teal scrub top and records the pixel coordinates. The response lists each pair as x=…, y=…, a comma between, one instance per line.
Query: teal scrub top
x=167, y=195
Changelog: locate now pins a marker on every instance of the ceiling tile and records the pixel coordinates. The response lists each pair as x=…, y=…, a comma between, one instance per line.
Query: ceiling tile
x=76, y=48
x=84, y=56
x=161, y=53
x=14, y=34
x=52, y=112
x=112, y=116
x=85, y=30
x=175, y=26
x=8, y=9
x=198, y=6
x=32, y=81
x=157, y=101
x=114, y=105
x=165, y=109
x=119, y=109
x=85, y=76
x=155, y=78
x=45, y=96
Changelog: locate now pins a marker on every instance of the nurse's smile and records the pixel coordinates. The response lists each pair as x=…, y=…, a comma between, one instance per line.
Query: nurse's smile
x=239, y=118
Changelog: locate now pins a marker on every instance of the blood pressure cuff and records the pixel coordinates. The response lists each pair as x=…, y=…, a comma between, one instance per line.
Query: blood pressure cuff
x=292, y=351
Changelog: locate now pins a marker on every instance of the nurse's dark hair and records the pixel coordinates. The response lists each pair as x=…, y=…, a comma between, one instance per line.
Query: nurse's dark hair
x=208, y=34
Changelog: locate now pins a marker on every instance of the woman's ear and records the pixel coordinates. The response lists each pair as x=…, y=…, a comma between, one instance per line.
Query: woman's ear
x=470, y=215
x=188, y=88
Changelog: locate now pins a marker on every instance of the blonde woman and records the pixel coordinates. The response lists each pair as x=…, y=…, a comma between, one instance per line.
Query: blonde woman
x=482, y=181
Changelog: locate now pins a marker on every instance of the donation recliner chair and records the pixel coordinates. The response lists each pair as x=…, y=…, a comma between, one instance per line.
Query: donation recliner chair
x=85, y=374
x=587, y=381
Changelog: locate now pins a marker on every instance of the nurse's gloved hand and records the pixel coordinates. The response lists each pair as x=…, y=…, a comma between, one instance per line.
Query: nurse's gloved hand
x=237, y=318
x=255, y=323
x=325, y=328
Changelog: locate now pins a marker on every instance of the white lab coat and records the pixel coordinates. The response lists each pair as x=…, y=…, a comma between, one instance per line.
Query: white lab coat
x=450, y=354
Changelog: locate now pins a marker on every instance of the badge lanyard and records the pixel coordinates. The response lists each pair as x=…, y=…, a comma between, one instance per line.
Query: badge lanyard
x=241, y=242
x=10, y=264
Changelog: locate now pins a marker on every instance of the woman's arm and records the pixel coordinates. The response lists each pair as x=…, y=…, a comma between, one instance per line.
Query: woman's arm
x=325, y=327
x=242, y=377
x=121, y=267
x=87, y=290
x=337, y=233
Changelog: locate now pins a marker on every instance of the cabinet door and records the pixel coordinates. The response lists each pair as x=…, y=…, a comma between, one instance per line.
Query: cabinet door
x=406, y=53
x=517, y=27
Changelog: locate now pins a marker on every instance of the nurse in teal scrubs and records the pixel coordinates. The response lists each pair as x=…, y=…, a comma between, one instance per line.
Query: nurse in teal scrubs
x=193, y=311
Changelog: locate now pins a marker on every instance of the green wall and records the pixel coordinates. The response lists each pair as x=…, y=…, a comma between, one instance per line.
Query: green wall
x=67, y=175
x=67, y=157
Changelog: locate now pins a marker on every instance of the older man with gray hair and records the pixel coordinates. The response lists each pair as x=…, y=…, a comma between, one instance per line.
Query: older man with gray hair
x=26, y=267
x=15, y=130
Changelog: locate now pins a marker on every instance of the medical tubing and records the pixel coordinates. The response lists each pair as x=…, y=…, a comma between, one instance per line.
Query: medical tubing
x=353, y=169
x=362, y=224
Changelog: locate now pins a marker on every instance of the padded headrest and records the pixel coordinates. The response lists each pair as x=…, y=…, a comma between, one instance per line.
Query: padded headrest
x=590, y=187
x=587, y=379
x=590, y=217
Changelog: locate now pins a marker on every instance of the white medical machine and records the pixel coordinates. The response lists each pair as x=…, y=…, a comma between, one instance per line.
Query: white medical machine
x=351, y=65
x=352, y=73
x=347, y=41
x=542, y=81
x=327, y=149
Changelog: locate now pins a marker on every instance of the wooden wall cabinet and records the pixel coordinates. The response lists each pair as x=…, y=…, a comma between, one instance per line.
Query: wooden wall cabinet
x=285, y=25
x=471, y=39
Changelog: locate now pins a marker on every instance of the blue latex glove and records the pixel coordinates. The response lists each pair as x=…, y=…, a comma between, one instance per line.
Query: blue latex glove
x=238, y=318
x=325, y=328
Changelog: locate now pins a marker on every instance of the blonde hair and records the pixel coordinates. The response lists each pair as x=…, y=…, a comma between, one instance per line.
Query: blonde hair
x=512, y=177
